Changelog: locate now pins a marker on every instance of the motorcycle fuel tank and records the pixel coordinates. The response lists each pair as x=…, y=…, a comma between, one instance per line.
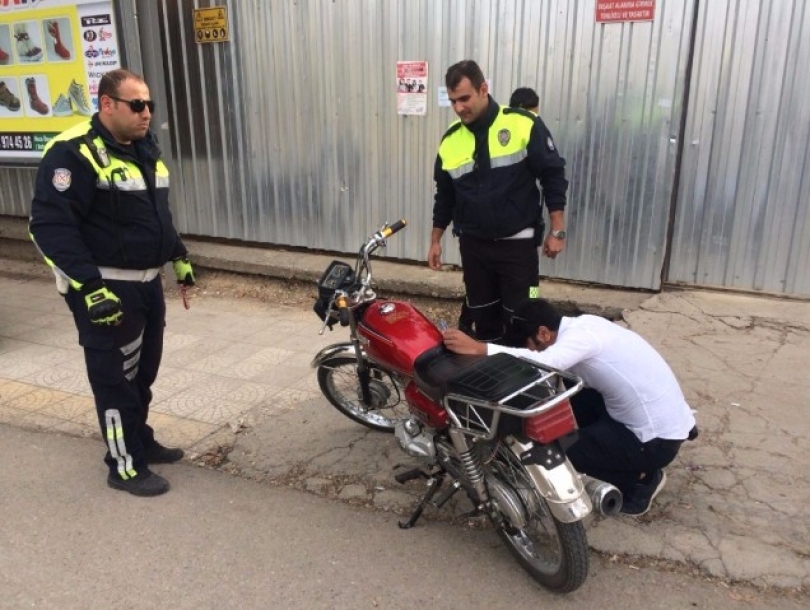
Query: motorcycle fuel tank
x=394, y=333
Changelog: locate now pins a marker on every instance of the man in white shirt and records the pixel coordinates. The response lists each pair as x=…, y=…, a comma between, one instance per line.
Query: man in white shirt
x=632, y=418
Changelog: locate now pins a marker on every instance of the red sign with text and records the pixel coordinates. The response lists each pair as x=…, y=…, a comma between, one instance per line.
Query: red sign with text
x=611, y=11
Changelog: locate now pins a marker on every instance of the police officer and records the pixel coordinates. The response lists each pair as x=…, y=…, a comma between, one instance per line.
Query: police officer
x=100, y=217
x=485, y=173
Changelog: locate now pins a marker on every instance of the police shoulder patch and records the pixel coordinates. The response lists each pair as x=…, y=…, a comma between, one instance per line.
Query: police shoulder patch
x=61, y=179
x=550, y=143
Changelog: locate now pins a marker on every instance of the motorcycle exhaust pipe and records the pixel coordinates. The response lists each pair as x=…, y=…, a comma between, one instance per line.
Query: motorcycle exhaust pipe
x=606, y=499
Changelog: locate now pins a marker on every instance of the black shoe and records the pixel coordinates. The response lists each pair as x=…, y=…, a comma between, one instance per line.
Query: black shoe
x=639, y=500
x=158, y=454
x=144, y=484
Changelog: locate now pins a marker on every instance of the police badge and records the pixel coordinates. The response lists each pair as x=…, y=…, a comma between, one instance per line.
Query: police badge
x=102, y=155
x=504, y=136
x=61, y=179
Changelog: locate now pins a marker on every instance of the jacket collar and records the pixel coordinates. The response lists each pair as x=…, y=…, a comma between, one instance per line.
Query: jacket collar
x=143, y=149
x=485, y=121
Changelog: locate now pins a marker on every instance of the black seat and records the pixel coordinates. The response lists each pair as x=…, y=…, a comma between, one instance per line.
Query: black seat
x=438, y=372
x=498, y=376
x=434, y=368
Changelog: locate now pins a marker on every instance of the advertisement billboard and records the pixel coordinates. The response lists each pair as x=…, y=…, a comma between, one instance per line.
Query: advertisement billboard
x=52, y=56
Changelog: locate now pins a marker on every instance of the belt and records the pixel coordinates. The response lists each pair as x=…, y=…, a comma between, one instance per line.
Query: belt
x=526, y=233
x=129, y=275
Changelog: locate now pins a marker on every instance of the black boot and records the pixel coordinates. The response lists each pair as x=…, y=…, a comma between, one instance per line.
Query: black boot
x=146, y=483
x=158, y=454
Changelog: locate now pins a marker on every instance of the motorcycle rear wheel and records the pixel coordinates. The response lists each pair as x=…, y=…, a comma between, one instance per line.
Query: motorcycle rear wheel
x=337, y=378
x=555, y=554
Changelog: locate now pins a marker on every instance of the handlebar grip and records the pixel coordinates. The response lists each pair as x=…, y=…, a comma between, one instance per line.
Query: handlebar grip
x=397, y=226
x=343, y=311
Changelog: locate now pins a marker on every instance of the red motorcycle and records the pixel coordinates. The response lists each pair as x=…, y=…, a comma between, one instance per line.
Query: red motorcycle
x=496, y=427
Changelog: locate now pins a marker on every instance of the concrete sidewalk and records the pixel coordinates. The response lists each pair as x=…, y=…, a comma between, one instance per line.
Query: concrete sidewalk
x=236, y=390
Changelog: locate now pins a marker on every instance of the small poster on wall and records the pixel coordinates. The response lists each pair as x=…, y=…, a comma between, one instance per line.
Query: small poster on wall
x=617, y=11
x=52, y=56
x=412, y=87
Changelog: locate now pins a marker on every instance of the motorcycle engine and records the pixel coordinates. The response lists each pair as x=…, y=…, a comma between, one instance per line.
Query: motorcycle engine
x=415, y=439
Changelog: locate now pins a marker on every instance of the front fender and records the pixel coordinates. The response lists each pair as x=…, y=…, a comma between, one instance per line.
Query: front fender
x=332, y=350
x=560, y=486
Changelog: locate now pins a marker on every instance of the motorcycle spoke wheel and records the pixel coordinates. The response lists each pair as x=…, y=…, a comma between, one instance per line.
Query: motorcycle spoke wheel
x=337, y=378
x=554, y=553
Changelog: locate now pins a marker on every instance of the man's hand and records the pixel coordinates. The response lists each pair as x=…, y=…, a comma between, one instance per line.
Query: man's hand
x=461, y=343
x=103, y=306
x=553, y=246
x=435, y=257
x=183, y=271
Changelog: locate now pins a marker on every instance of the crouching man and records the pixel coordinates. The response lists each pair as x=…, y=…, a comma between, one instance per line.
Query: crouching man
x=632, y=416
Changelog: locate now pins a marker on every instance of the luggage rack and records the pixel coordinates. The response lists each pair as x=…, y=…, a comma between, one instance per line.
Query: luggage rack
x=504, y=384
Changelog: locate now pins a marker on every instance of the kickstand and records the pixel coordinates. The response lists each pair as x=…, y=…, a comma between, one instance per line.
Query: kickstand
x=434, y=483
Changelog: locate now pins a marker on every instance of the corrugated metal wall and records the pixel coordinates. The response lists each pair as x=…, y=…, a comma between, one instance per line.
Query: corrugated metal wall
x=289, y=134
x=16, y=190
x=742, y=218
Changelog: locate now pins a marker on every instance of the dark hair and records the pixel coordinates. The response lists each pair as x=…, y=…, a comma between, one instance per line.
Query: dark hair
x=524, y=97
x=527, y=318
x=110, y=81
x=464, y=69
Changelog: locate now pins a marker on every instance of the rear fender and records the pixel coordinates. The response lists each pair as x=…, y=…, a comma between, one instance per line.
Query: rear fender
x=560, y=486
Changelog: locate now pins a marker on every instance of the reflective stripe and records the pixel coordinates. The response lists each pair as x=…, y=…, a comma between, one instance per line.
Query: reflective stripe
x=129, y=275
x=130, y=184
x=490, y=304
x=465, y=169
x=162, y=182
x=131, y=346
x=508, y=160
x=116, y=445
x=131, y=364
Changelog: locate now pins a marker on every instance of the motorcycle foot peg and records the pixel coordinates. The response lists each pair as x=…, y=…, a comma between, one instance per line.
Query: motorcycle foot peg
x=409, y=475
x=447, y=494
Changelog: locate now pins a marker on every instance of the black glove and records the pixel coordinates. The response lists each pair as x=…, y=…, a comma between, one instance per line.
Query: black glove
x=102, y=305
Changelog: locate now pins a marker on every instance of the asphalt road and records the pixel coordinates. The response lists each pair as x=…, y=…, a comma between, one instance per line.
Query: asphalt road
x=218, y=541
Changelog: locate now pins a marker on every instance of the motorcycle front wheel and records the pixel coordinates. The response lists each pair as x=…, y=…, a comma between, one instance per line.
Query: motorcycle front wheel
x=554, y=553
x=338, y=380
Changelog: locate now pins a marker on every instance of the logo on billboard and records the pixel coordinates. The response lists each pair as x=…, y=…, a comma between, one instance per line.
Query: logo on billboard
x=92, y=21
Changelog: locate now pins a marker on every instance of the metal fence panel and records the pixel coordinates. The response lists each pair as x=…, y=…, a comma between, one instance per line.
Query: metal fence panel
x=741, y=216
x=288, y=134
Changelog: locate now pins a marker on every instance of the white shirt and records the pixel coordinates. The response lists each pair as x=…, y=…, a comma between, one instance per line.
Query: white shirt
x=639, y=388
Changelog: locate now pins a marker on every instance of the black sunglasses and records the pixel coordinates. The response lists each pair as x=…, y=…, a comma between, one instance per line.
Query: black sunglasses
x=136, y=106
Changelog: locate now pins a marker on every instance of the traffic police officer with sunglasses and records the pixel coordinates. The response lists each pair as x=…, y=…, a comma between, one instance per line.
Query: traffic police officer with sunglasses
x=100, y=217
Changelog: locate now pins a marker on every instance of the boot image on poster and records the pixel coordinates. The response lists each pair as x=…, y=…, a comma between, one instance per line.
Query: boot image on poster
x=36, y=89
x=59, y=41
x=5, y=46
x=9, y=97
x=28, y=44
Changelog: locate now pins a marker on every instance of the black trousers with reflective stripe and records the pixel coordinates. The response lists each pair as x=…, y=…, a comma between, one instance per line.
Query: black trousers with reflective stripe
x=497, y=278
x=122, y=364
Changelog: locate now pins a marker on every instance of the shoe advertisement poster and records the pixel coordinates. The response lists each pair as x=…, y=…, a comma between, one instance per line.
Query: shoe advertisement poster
x=52, y=56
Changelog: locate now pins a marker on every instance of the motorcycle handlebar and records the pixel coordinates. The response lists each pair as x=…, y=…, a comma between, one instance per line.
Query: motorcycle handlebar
x=394, y=228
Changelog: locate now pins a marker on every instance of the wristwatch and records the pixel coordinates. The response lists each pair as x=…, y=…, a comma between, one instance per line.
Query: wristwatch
x=558, y=234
